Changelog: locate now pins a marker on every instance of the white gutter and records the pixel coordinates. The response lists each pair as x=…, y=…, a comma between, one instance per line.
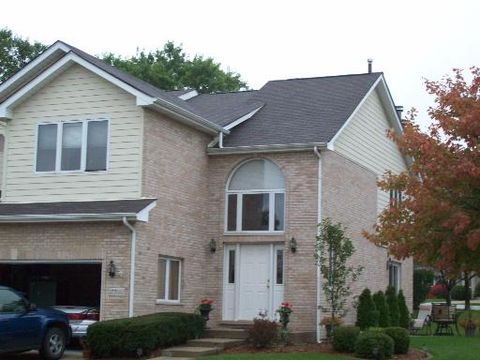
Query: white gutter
x=27, y=218
x=319, y=220
x=265, y=148
x=131, y=290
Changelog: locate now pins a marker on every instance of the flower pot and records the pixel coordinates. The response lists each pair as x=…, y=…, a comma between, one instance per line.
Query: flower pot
x=205, y=314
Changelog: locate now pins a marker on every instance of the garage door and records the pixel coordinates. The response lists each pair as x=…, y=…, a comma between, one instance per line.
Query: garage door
x=49, y=284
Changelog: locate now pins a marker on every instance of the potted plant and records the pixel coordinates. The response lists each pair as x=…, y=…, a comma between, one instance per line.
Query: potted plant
x=469, y=324
x=205, y=307
x=330, y=323
x=284, y=312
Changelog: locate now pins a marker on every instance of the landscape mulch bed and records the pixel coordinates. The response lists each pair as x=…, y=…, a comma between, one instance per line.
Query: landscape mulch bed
x=315, y=348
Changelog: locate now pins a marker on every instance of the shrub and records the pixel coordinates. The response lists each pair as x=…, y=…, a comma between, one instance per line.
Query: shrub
x=367, y=314
x=400, y=338
x=422, y=281
x=142, y=334
x=458, y=292
x=477, y=290
x=437, y=291
x=376, y=330
x=262, y=333
x=382, y=308
x=392, y=303
x=374, y=346
x=404, y=314
x=344, y=338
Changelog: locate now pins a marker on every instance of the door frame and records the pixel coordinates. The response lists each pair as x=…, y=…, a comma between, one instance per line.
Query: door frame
x=275, y=293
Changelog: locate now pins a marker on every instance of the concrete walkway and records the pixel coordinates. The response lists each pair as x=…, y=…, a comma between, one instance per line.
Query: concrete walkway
x=33, y=355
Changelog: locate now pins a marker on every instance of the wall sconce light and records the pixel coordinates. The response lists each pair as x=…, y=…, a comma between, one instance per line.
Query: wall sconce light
x=293, y=245
x=112, y=269
x=212, y=245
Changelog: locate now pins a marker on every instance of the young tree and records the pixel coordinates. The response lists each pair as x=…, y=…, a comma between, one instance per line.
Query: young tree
x=367, y=313
x=382, y=308
x=332, y=251
x=404, y=314
x=171, y=69
x=15, y=52
x=438, y=220
x=392, y=302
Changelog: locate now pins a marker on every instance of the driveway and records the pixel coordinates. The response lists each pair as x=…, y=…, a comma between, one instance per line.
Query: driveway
x=33, y=355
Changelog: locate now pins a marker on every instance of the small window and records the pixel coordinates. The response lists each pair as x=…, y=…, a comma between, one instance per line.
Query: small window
x=279, y=267
x=231, y=266
x=256, y=198
x=169, y=273
x=395, y=197
x=394, y=275
x=72, y=146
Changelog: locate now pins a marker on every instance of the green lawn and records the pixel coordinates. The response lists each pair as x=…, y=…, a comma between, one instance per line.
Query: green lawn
x=448, y=347
x=284, y=356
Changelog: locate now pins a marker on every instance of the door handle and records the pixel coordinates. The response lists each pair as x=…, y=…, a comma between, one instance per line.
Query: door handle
x=268, y=284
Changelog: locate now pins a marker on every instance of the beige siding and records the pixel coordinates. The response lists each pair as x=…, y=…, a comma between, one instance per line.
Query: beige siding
x=365, y=142
x=2, y=142
x=75, y=95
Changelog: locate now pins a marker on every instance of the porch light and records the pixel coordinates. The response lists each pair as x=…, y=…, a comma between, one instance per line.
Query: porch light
x=212, y=245
x=293, y=245
x=112, y=269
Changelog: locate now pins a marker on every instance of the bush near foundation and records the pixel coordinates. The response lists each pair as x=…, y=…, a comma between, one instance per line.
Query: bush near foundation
x=140, y=335
x=401, y=339
x=344, y=338
x=263, y=333
x=374, y=345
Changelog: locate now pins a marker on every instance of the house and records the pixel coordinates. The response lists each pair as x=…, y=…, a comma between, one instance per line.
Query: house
x=121, y=195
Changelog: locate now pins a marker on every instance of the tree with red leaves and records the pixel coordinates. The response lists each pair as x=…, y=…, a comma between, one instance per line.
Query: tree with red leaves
x=437, y=220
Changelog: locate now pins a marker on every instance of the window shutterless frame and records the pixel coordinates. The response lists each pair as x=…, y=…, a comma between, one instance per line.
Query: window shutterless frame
x=83, y=159
x=167, y=284
x=239, y=194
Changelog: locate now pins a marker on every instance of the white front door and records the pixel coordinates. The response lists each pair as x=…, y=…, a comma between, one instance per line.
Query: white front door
x=253, y=281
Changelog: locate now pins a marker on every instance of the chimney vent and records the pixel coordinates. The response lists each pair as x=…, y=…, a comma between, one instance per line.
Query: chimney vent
x=399, y=109
x=370, y=61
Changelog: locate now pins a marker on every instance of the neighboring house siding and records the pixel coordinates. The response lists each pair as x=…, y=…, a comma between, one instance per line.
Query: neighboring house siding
x=364, y=140
x=2, y=155
x=349, y=196
x=76, y=94
x=175, y=172
x=300, y=170
x=64, y=242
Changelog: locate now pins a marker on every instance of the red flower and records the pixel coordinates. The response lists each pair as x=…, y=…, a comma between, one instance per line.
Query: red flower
x=206, y=301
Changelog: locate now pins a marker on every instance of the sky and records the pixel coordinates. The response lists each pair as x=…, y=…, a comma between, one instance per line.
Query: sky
x=267, y=40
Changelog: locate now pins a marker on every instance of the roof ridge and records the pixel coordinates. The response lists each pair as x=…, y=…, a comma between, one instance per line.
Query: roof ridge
x=328, y=76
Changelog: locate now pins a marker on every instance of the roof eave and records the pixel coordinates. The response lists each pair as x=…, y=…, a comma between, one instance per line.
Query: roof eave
x=272, y=148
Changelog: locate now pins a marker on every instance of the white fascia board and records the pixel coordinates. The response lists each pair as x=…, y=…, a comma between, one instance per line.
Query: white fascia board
x=61, y=65
x=274, y=148
x=391, y=109
x=26, y=218
x=331, y=143
x=34, y=63
x=189, y=95
x=242, y=119
x=142, y=215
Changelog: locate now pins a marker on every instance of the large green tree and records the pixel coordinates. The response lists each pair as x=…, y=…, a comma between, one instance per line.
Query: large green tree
x=15, y=52
x=171, y=69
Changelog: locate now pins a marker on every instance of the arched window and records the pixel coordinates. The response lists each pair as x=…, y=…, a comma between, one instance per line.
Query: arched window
x=256, y=198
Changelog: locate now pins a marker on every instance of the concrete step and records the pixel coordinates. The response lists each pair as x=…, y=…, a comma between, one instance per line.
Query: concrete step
x=225, y=333
x=220, y=344
x=241, y=324
x=189, y=351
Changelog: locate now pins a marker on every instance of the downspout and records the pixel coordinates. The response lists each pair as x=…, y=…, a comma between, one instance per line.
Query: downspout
x=133, y=244
x=319, y=220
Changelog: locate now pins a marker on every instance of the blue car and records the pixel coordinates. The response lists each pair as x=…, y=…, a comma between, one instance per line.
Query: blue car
x=23, y=327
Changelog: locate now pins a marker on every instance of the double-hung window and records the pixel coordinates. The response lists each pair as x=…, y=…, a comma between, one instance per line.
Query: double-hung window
x=72, y=146
x=169, y=279
x=394, y=272
x=255, y=198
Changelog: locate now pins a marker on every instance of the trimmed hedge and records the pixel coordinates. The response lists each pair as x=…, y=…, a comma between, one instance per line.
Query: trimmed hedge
x=404, y=319
x=374, y=345
x=458, y=292
x=367, y=314
x=344, y=338
x=143, y=334
x=392, y=302
x=382, y=308
x=400, y=338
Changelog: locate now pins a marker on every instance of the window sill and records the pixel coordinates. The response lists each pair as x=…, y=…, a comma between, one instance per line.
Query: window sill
x=69, y=172
x=168, y=302
x=255, y=233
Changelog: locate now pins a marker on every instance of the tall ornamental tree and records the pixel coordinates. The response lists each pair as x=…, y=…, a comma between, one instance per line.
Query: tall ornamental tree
x=332, y=251
x=15, y=52
x=438, y=220
x=392, y=302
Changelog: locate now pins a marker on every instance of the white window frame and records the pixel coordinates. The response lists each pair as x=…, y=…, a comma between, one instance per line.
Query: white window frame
x=168, y=261
x=271, y=207
x=58, y=153
x=398, y=267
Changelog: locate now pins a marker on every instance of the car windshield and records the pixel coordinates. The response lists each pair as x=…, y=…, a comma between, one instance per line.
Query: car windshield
x=11, y=302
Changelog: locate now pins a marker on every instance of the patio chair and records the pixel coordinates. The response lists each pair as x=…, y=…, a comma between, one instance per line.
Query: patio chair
x=423, y=320
x=444, y=316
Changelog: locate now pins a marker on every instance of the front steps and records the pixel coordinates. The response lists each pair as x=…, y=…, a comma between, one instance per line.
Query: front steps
x=213, y=342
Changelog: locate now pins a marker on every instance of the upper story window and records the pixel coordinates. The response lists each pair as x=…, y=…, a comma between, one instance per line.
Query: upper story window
x=72, y=146
x=256, y=198
x=395, y=197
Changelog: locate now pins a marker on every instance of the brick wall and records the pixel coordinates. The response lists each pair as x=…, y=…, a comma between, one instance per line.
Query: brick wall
x=76, y=241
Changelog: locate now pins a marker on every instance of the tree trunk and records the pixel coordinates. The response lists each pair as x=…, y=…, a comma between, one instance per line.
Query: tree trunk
x=468, y=292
